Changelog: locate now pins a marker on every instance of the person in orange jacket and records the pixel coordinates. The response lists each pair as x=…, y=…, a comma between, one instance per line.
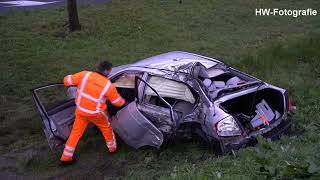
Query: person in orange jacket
x=93, y=89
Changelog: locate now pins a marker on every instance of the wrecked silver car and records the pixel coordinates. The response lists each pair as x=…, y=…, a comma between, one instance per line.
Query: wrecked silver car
x=178, y=94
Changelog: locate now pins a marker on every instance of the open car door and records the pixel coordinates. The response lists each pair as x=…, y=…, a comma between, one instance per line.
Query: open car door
x=133, y=126
x=55, y=103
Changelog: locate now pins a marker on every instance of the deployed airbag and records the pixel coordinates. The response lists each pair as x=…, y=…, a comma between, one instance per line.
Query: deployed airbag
x=170, y=88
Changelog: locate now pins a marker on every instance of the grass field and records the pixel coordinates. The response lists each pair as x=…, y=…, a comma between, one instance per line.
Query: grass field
x=36, y=47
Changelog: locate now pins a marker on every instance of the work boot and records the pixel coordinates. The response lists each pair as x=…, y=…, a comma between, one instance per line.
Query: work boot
x=69, y=162
x=112, y=147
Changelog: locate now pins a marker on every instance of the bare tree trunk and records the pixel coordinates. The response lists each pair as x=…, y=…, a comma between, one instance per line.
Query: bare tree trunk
x=74, y=24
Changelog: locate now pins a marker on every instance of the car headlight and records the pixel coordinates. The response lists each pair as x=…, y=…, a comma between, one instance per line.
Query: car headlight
x=228, y=127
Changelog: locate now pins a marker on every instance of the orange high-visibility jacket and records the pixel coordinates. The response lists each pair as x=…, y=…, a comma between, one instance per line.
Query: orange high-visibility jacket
x=92, y=92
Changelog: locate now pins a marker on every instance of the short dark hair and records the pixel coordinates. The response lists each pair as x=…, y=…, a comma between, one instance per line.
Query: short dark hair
x=104, y=65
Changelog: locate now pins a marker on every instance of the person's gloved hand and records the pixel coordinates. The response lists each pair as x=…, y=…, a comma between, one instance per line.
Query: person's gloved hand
x=72, y=90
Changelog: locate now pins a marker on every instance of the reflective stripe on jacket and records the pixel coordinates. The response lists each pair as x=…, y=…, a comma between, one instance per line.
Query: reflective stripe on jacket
x=93, y=91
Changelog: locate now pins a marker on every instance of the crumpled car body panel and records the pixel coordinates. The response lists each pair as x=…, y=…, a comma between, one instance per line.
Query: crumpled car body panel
x=135, y=129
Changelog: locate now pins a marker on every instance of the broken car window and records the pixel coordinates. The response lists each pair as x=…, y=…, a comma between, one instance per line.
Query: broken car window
x=125, y=81
x=54, y=96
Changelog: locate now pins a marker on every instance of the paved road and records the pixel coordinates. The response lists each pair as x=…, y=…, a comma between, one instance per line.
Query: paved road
x=18, y=5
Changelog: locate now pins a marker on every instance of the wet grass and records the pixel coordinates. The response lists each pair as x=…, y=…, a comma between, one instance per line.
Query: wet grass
x=35, y=48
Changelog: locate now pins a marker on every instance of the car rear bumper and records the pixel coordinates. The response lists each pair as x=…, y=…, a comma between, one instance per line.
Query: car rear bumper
x=274, y=132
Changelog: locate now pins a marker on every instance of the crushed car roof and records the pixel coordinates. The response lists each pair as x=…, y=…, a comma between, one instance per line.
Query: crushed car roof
x=175, y=59
x=170, y=61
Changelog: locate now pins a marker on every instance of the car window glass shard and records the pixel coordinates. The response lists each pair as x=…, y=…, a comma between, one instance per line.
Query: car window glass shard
x=169, y=88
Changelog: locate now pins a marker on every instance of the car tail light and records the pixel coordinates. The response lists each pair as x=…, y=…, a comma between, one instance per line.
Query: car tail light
x=228, y=127
x=289, y=104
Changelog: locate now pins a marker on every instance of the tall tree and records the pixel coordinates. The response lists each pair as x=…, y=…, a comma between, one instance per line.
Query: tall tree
x=74, y=24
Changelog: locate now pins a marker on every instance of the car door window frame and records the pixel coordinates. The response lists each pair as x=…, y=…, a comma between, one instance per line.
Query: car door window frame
x=43, y=111
x=138, y=87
